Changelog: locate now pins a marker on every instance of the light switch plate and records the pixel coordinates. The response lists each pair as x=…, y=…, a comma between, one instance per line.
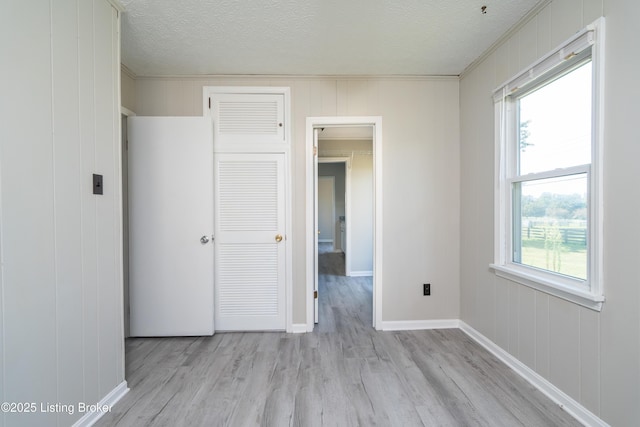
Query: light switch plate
x=97, y=184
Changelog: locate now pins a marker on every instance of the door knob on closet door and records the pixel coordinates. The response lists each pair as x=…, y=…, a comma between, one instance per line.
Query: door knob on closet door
x=204, y=240
x=278, y=238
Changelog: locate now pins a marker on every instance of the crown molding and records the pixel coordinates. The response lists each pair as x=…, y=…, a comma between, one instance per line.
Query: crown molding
x=128, y=72
x=297, y=76
x=117, y=5
x=506, y=36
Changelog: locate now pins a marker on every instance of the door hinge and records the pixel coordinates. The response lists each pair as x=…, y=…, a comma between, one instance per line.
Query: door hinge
x=315, y=294
x=315, y=150
x=209, y=103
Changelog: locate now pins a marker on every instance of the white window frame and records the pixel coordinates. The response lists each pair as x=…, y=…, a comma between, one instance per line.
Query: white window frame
x=589, y=293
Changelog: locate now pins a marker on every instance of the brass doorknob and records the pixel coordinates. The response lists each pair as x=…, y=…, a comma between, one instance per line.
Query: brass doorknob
x=278, y=238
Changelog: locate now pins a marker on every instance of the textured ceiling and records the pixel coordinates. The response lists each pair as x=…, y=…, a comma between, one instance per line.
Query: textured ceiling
x=312, y=37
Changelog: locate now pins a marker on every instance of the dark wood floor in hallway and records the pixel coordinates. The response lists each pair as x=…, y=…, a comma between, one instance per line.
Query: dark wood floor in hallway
x=343, y=374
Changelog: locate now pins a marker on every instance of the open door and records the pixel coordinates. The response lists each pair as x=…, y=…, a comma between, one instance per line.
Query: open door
x=171, y=226
x=315, y=222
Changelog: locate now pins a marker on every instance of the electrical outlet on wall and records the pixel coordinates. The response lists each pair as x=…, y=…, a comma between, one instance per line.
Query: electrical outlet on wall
x=426, y=289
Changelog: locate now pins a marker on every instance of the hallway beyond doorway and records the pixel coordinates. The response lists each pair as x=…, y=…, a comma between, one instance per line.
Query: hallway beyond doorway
x=343, y=300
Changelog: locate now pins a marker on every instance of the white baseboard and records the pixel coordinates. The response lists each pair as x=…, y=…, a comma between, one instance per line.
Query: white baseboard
x=299, y=328
x=90, y=418
x=410, y=325
x=365, y=273
x=567, y=403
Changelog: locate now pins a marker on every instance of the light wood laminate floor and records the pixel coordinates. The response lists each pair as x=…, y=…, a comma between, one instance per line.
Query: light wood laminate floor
x=343, y=374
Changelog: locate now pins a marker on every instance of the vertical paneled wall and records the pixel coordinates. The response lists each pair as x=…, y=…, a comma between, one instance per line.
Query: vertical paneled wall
x=593, y=357
x=61, y=327
x=420, y=120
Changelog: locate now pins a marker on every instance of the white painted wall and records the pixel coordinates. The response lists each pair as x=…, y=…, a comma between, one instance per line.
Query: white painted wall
x=361, y=154
x=326, y=208
x=421, y=174
x=593, y=357
x=337, y=170
x=61, y=286
x=362, y=213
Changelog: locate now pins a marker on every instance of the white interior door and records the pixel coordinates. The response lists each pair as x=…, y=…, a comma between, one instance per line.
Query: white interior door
x=171, y=226
x=250, y=241
x=316, y=231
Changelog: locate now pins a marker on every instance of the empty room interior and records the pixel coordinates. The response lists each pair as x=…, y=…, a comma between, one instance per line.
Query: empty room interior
x=319, y=213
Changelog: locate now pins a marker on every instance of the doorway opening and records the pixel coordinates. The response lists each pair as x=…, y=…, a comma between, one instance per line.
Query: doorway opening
x=334, y=184
x=359, y=130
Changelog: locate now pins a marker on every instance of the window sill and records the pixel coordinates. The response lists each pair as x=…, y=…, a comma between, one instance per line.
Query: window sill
x=576, y=296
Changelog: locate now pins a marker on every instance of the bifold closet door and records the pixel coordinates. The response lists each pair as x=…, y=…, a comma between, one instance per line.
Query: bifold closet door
x=171, y=226
x=250, y=241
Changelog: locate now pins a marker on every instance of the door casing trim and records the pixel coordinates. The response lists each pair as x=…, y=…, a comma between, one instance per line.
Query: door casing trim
x=345, y=121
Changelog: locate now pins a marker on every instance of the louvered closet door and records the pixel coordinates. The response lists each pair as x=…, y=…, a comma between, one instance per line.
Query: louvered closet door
x=250, y=242
x=248, y=121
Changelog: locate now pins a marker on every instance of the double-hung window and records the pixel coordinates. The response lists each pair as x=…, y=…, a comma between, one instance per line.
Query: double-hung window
x=549, y=177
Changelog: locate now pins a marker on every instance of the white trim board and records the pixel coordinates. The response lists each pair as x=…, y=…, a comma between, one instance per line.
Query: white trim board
x=415, y=325
x=364, y=273
x=117, y=5
x=90, y=418
x=567, y=403
x=299, y=328
x=124, y=111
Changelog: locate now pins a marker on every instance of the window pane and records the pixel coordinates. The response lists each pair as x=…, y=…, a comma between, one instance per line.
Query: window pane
x=550, y=224
x=555, y=123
